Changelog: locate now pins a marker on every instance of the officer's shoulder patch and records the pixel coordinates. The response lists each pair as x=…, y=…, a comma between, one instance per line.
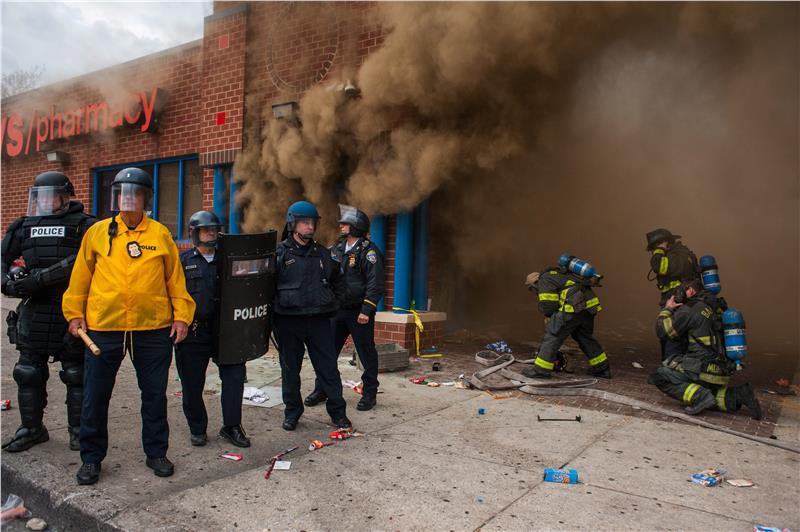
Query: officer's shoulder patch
x=372, y=256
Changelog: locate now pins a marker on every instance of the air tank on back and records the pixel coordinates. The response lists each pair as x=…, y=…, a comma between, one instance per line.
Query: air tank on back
x=734, y=335
x=577, y=266
x=710, y=274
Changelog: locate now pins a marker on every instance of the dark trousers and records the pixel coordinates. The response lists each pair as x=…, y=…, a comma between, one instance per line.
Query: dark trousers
x=346, y=324
x=561, y=326
x=191, y=360
x=151, y=354
x=294, y=334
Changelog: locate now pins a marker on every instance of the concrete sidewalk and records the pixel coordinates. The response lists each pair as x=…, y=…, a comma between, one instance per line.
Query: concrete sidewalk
x=427, y=460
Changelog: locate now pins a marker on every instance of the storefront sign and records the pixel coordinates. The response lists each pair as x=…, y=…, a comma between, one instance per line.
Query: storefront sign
x=138, y=110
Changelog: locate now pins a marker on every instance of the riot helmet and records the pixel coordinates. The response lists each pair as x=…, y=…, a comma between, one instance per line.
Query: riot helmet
x=654, y=238
x=203, y=220
x=302, y=211
x=356, y=219
x=49, y=194
x=131, y=190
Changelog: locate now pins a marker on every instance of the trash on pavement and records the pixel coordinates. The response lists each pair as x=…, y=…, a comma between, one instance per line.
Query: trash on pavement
x=499, y=347
x=343, y=434
x=179, y=393
x=5, y=404
x=562, y=476
x=433, y=384
x=431, y=355
x=637, y=365
x=740, y=482
x=231, y=456
x=710, y=477
x=316, y=444
x=419, y=380
x=36, y=524
x=274, y=460
x=437, y=366
x=762, y=528
x=13, y=508
x=481, y=411
x=255, y=395
x=431, y=349
x=282, y=465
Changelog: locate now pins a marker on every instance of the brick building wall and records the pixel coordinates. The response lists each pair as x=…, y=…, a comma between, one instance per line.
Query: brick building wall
x=176, y=71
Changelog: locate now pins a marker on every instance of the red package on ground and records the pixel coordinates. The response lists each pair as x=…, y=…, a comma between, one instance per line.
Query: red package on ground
x=419, y=380
x=5, y=404
x=232, y=456
x=341, y=434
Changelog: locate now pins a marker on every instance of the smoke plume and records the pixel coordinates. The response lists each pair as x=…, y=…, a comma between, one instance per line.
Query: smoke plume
x=540, y=128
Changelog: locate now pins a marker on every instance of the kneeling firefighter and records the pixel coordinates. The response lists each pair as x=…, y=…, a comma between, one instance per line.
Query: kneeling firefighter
x=567, y=299
x=699, y=378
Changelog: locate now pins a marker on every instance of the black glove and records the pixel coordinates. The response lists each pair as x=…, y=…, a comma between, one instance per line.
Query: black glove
x=26, y=286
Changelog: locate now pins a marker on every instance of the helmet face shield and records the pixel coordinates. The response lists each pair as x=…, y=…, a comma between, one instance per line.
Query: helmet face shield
x=47, y=200
x=130, y=197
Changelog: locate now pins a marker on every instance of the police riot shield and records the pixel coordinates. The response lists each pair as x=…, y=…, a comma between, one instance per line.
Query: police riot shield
x=245, y=287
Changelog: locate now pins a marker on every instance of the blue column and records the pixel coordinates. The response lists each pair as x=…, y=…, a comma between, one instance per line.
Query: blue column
x=233, y=218
x=420, y=278
x=219, y=206
x=403, y=253
x=377, y=234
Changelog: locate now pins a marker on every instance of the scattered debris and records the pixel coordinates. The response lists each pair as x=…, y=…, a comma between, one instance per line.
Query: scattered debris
x=433, y=384
x=343, y=434
x=316, y=444
x=783, y=382
x=499, y=346
x=479, y=499
x=13, y=508
x=36, y=524
x=255, y=395
x=419, y=380
x=5, y=404
x=282, y=465
x=562, y=476
x=434, y=355
x=431, y=349
x=232, y=456
x=481, y=411
x=637, y=365
x=762, y=528
x=179, y=393
x=740, y=482
x=710, y=477
x=437, y=366
x=449, y=383
x=274, y=460
x=540, y=418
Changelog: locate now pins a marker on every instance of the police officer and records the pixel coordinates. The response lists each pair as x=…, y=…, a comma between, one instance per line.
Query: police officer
x=569, y=305
x=361, y=263
x=699, y=378
x=47, y=238
x=192, y=355
x=308, y=289
x=128, y=287
x=672, y=263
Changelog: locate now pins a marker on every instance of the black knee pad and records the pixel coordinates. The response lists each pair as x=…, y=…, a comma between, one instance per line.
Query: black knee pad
x=72, y=375
x=27, y=374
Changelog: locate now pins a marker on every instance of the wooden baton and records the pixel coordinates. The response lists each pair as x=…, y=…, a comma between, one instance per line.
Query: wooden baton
x=88, y=341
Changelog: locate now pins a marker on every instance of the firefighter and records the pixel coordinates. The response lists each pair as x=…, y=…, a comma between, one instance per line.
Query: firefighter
x=193, y=354
x=361, y=263
x=48, y=238
x=672, y=263
x=699, y=378
x=308, y=290
x=569, y=305
x=128, y=292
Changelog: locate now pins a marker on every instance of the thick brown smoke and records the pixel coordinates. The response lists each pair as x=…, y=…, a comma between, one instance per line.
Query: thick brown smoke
x=543, y=128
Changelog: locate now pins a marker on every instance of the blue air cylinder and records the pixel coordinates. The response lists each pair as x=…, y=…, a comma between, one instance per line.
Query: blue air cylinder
x=710, y=274
x=733, y=329
x=577, y=266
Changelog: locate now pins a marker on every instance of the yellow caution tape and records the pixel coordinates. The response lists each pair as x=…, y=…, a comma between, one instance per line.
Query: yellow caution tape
x=417, y=321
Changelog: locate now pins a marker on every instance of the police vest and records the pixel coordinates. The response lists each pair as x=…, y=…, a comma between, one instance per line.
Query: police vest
x=304, y=276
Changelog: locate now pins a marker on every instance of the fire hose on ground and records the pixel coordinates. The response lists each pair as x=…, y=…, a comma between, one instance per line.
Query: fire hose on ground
x=497, y=363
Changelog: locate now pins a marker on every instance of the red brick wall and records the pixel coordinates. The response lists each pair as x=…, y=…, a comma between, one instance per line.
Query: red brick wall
x=403, y=334
x=176, y=70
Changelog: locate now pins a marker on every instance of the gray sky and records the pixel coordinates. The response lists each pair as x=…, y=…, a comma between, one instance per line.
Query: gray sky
x=72, y=38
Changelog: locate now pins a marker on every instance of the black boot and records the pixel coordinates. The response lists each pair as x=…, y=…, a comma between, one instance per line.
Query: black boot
x=88, y=474
x=314, y=398
x=235, y=435
x=25, y=438
x=745, y=397
x=604, y=371
x=535, y=372
x=367, y=402
x=161, y=467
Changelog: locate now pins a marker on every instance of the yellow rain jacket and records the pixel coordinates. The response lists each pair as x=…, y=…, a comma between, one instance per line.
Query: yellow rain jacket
x=138, y=287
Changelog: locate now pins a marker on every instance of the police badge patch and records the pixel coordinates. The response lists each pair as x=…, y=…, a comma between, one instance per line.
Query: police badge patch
x=134, y=250
x=352, y=261
x=372, y=256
